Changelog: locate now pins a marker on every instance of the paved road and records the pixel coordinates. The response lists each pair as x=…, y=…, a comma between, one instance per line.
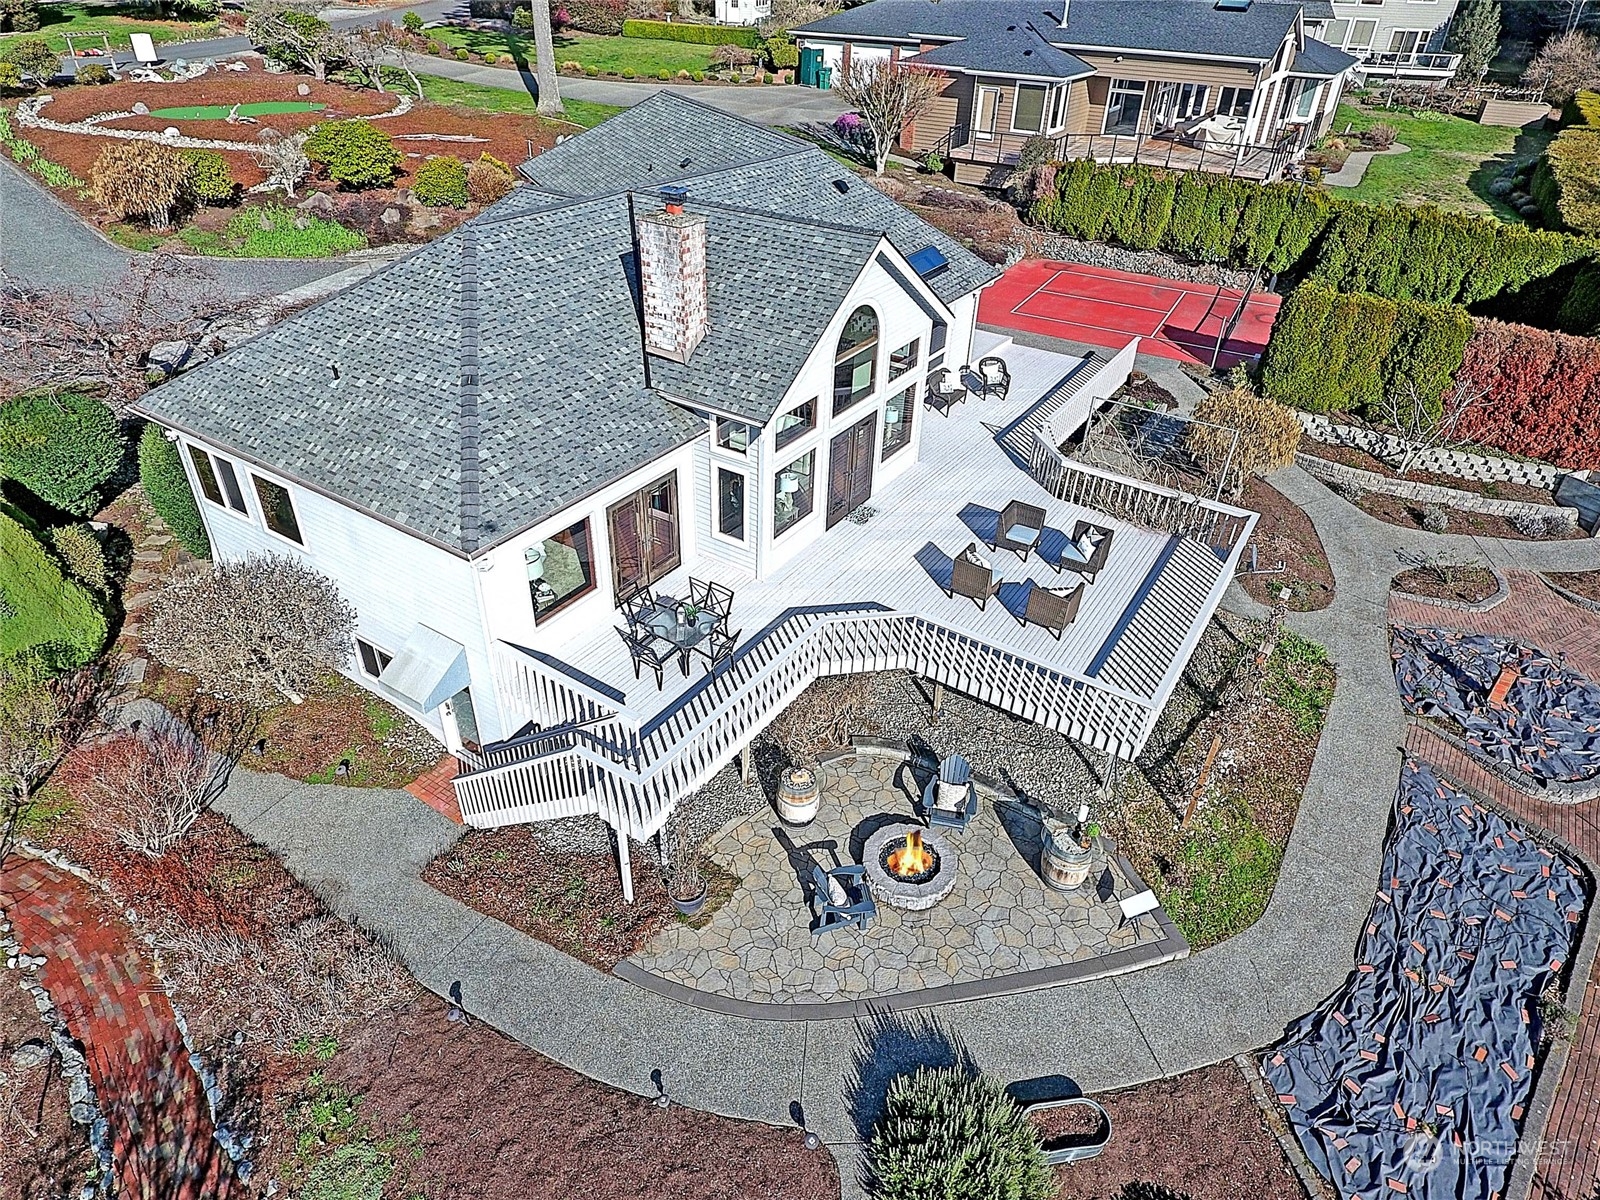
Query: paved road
x=43, y=242
x=366, y=849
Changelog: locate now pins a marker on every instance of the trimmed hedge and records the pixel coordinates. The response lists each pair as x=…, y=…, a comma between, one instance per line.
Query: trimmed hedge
x=1539, y=393
x=167, y=488
x=1331, y=352
x=1566, y=183
x=43, y=607
x=61, y=446
x=688, y=31
x=596, y=16
x=1582, y=109
x=1394, y=251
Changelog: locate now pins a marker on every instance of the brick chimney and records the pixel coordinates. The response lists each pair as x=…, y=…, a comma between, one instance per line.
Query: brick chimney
x=672, y=277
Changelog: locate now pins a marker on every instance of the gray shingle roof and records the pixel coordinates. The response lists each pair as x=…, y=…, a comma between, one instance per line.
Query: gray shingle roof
x=495, y=376
x=1010, y=49
x=780, y=174
x=1322, y=60
x=1173, y=26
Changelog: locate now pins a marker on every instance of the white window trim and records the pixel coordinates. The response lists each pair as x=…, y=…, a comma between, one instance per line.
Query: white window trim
x=753, y=432
x=799, y=438
x=199, y=493
x=816, y=457
x=716, y=504
x=271, y=532
x=1044, y=112
x=360, y=668
x=1112, y=90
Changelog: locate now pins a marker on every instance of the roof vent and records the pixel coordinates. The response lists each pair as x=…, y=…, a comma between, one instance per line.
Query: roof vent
x=684, y=165
x=843, y=185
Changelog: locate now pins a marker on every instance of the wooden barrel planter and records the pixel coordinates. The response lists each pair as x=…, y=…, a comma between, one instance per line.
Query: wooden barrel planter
x=799, y=796
x=1063, y=862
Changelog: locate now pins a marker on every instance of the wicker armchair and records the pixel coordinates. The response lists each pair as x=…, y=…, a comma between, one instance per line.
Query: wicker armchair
x=1051, y=610
x=972, y=580
x=1020, y=527
x=1087, y=551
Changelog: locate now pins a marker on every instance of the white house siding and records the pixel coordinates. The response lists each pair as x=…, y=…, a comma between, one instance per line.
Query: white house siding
x=1433, y=16
x=393, y=580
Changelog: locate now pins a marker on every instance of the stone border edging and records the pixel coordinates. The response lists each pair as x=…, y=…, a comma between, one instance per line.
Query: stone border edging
x=1171, y=945
x=1337, y=474
x=1558, y=792
x=1481, y=468
x=1502, y=592
x=1553, y=1066
x=1567, y=594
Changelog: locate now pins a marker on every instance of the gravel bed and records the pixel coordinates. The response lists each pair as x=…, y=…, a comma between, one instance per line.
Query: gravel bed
x=1140, y=262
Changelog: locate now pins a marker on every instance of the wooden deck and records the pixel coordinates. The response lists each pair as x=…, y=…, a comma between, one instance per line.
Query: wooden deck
x=900, y=558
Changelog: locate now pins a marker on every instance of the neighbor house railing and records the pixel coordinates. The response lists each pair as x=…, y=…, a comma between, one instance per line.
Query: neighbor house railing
x=1421, y=62
x=1252, y=160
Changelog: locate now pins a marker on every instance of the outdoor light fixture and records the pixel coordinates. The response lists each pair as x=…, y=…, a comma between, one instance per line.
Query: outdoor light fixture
x=259, y=748
x=813, y=1142
x=343, y=768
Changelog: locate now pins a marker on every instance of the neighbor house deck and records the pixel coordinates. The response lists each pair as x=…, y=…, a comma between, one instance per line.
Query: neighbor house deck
x=872, y=596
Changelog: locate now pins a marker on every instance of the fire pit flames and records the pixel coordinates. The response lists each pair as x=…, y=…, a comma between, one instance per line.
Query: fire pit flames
x=911, y=860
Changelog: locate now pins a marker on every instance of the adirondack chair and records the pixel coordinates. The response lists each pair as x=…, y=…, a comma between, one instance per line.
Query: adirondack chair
x=840, y=897
x=950, y=800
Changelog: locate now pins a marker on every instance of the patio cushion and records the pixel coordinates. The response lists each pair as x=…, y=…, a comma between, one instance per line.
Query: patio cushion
x=1088, y=543
x=1021, y=533
x=1071, y=553
x=971, y=555
x=1064, y=592
x=952, y=797
x=837, y=894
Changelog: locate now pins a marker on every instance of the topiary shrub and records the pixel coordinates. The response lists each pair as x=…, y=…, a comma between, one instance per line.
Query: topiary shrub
x=411, y=21
x=354, y=153
x=663, y=74
x=950, y=1134
x=441, y=183
x=210, y=181
x=167, y=488
x=697, y=76
x=84, y=556
x=463, y=55
x=94, y=74
x=33, y=57
x=44, y=609
x=522, y=19
x=591, y=72
x=62, y=446
x=629, y=73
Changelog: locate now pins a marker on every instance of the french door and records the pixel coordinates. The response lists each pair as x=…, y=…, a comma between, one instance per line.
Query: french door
x=644, y=535
x=850, y=469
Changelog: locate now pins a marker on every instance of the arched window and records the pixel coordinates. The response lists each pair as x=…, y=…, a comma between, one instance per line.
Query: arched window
x=855, y=364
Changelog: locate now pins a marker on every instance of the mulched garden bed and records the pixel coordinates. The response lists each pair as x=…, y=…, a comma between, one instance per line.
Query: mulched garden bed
x=497, y=1121
x=1396, y=510
x=567, y=899
x=1460, y=584
x=1582, y=583
x=44, y=1155
x=1200, y=1134
x=428, y=129
x=1284, y=534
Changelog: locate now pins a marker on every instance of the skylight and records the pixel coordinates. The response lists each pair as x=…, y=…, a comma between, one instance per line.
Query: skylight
x=1232, y=5
x=930, y=260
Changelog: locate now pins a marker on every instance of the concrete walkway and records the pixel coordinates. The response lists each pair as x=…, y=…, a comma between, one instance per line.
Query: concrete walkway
x=365, y=850
x=1355, y=167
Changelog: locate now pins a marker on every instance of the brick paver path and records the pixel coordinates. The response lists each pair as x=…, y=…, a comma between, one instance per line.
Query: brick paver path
x=154, y=1103
x=1531, y=613
x=1568, y=1166
x=433, y=788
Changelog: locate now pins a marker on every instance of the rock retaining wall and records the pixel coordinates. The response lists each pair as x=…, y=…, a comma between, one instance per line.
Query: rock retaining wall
x=1480, y=467
x=1353, y=478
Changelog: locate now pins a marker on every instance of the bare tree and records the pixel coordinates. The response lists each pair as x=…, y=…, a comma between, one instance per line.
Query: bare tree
x=1237, y=434
x=373, y=50
x=889, y=96
x=57, y=336
x=786, y=14
x=283, y=158
x=43, y=717
x=152, y=783
x=291, y=32
x=256, y=630
x=544, y=62
x=1424, y=428
x=1566, y=65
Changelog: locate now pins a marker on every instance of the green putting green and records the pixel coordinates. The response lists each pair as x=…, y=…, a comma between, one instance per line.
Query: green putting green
x=218, y=112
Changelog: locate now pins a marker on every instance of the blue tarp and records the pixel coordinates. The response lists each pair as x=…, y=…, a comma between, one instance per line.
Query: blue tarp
x=1549, y=725
x=1412, y=1079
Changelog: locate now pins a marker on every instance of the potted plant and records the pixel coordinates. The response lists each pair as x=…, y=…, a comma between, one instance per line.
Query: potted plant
x=1068, y=851
x=686, y=882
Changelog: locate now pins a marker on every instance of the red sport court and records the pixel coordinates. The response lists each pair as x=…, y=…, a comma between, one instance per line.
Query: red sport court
x=1175, y=319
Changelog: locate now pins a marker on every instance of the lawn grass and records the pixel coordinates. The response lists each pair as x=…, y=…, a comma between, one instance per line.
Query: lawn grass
x=118, y=20
x=1451, y=161
x=439, y=90
x=608, y=55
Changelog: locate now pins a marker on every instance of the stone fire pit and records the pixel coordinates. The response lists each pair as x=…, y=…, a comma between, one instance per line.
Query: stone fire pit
x=916, y=893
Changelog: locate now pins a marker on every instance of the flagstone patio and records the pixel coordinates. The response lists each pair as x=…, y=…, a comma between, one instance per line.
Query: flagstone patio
x=1000, y=926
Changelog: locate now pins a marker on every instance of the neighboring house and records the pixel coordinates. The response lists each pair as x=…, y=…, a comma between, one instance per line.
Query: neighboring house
x=741, y=12
x=1224, y=85
x=602, y=385
x=1394, y=39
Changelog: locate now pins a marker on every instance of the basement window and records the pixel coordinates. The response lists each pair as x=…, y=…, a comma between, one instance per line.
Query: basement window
x=373, y=660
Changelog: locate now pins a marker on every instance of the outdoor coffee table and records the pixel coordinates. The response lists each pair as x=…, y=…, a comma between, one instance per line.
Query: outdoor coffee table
x=667, y=624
